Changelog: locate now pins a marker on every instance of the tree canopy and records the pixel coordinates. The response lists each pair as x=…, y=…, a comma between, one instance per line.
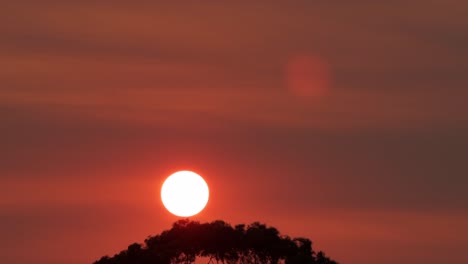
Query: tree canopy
x=218, y=242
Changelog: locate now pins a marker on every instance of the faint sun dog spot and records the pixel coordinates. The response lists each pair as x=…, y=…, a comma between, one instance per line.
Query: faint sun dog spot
x=307, y=75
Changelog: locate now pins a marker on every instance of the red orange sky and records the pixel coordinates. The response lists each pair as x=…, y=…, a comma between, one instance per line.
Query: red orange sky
x=341, y=121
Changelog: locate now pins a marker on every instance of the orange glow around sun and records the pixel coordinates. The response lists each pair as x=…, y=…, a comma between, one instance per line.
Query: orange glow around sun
x=184, y=193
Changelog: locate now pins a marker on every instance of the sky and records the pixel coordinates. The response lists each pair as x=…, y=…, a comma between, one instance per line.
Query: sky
x=342, y=121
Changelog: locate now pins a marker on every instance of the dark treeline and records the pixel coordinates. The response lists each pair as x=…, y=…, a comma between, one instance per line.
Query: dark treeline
x=219, y=242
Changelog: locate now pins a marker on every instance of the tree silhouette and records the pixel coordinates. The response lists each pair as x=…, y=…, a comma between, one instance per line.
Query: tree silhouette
x=219, y=242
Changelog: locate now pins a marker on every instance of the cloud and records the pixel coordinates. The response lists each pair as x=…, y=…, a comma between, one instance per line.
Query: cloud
x=99, y=98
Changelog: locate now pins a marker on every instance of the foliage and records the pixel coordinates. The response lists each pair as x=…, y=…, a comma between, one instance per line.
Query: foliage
x=219, y=242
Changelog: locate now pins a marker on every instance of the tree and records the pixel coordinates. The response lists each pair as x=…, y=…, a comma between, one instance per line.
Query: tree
x=219, y=242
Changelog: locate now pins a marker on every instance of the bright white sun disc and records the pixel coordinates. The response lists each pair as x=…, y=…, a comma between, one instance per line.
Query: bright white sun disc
x=184, y=193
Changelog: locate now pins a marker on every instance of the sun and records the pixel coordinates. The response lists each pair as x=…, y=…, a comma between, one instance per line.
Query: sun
x=184, y=193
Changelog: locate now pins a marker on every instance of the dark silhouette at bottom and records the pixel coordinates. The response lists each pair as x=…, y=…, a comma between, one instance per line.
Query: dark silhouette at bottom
x=219, y=242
